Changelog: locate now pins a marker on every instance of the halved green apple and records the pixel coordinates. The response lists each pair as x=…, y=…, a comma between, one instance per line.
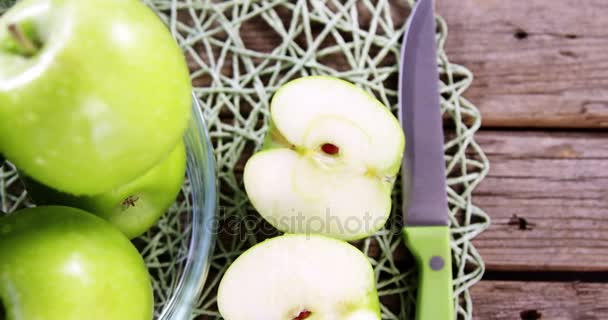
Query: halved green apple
x=299, y=277
x=329, y=160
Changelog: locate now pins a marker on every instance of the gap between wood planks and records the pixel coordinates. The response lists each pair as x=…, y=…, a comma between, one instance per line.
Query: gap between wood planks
x=547, y=195
x=545, y=252
x=505, y=300
x=547, y=276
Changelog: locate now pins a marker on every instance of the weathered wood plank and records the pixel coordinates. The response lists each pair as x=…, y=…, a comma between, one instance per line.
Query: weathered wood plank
x=496, y=300
x=557, y=183
x=537, y=63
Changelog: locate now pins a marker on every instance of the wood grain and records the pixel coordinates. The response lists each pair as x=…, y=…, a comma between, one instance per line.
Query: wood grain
x=495, y=300
x=537, y=63
x=557, y=185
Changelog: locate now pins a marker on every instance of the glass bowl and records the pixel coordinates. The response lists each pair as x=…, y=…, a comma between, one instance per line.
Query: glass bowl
x=178, y=248
x=199, y=197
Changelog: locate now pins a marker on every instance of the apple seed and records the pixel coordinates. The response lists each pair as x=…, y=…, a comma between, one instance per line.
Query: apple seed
x=330, y=148
x=303, y=315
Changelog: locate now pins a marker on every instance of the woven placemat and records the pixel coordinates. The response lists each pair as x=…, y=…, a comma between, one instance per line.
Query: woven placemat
x=239, y=53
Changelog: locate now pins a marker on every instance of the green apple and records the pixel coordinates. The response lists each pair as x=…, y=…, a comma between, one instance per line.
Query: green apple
x=92, y=93
x=329, y=161
x=299, y=277
x=61, y=263
x=132, y=208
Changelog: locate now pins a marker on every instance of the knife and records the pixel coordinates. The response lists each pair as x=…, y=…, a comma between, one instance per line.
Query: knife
x=425, y=207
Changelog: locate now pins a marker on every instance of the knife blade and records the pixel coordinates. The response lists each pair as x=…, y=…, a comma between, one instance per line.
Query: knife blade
x=425, y=209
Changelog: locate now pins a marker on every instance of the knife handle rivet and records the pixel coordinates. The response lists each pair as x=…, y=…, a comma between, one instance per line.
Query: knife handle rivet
x=437, y=263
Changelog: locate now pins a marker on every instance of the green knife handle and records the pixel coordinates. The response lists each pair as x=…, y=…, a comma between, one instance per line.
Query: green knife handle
x=431, y=249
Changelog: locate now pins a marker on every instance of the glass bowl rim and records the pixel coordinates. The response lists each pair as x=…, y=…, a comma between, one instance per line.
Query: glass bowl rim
x=201, y=173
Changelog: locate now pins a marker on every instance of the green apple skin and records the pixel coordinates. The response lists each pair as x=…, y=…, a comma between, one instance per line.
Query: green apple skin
x=104, y=99
x=132, y=208
x=61, y=263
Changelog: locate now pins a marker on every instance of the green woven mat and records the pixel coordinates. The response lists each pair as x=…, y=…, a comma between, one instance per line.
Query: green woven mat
x=240, y=52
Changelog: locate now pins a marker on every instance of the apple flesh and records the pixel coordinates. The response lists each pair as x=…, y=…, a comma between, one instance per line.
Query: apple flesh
x=329, y=160
x=132, y=208
x=61, y=263
x=299, y=277
x=92, y=93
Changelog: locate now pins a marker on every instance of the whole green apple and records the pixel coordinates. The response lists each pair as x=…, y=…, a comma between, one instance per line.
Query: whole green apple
x=132, y=208
x=92, y=93
x=61, y=263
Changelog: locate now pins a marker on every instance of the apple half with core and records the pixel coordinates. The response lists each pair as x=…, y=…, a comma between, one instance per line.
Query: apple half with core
x=132, y=208
x=92, y=93
x=61, y=263
x=329, y=160
x=299, y=277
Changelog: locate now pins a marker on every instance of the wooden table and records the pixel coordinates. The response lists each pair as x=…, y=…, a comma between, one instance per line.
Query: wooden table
x=541, y=82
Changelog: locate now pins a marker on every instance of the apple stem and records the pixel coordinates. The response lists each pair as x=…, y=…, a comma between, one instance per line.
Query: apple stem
x=27, y=45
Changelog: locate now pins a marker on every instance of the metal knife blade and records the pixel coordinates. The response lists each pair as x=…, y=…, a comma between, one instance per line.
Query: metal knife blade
x=424, y=184
x=426, y=232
